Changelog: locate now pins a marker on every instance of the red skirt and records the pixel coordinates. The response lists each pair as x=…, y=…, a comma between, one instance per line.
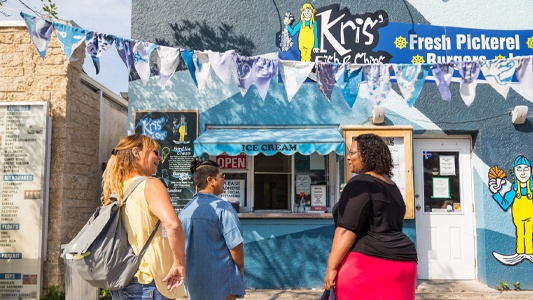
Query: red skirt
x=370, y=278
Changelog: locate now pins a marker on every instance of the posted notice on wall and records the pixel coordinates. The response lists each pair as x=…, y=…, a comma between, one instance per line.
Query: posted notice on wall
x=318, y=198
x=23, y=172
x=234, y=190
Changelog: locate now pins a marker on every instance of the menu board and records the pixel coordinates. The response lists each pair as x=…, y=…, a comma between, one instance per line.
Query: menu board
x=23, y=140
x=175, y=131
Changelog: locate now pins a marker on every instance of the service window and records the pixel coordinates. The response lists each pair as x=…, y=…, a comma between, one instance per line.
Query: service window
x=272, y=185
x=281, y=183
x=310, y=171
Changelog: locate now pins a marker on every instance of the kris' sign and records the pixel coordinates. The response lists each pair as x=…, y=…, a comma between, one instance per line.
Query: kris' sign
x=328, y=34
x=331, y=34
x=231, y=162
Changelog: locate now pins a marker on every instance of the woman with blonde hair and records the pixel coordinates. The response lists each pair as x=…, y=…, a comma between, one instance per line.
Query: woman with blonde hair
x=162, y=268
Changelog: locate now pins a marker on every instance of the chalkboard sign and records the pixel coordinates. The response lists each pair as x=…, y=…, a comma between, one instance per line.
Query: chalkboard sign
x=175, y=131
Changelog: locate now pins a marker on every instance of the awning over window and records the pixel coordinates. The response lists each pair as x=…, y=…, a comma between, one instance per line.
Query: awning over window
x=270, y=141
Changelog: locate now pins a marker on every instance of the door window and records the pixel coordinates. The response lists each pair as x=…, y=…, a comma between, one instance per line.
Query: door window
x=441, y=182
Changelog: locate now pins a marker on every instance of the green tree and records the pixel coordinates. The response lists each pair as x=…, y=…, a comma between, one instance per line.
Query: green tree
x=48, y=10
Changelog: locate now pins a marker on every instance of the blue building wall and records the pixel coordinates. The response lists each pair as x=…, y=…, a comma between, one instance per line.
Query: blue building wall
x=293, y=253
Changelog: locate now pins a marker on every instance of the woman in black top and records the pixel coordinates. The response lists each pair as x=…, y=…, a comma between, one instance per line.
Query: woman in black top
x=371, y=257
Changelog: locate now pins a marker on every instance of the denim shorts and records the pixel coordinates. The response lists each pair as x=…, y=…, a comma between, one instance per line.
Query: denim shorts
x=138, y=291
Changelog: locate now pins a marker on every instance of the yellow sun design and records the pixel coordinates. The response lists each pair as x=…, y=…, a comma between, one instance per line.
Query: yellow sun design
x=417, y=60
x=499, y=57
x=530, y=42
x=400, y=42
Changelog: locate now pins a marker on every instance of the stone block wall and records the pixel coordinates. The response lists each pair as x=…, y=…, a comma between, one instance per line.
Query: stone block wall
x=75, y=112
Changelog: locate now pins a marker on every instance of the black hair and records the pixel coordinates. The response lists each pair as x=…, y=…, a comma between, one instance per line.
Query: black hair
x=375, y=154
x=201, y=169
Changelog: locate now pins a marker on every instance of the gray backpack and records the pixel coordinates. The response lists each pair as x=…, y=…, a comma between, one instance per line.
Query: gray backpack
x=101, y=253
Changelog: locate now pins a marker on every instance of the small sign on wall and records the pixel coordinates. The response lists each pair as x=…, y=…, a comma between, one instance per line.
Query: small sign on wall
x=318, y=198
x=303, y=184
x=234, y=190
x=231, y=162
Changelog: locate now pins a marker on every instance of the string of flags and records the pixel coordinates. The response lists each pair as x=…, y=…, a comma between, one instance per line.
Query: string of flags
x=259, y=70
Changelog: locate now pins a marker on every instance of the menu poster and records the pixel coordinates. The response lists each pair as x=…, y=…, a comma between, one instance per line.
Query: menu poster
x=24, y=167
x=175, y=131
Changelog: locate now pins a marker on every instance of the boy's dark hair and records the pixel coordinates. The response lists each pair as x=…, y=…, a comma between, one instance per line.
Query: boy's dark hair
x=201, y=169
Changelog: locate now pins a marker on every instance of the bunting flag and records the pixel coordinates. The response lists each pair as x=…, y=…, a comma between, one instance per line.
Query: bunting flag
x=187, y=56
x=245, y=72
x=202, y=68
x=96, y=44
x=167, y=61
x=40, y=31
x=293, y=74
x=349, y=81
x=469, y=71
x=524, y=74
x=266, y=69
x=141, y=59
x=125, y=50
x=410, y=80
x=499, y=74
x=223, y=64
x=325, y=74
x=69, y=37
x=378, y=80
x=443, y=74
x=260, y=70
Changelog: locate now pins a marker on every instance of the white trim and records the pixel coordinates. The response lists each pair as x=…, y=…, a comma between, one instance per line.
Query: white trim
x=107, y=93
x=13, y=23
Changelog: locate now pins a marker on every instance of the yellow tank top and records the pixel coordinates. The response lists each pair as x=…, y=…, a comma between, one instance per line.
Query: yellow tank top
x=139, y=223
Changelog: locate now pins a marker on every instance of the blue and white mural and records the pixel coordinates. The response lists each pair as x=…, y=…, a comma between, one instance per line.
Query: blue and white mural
x=293, y=253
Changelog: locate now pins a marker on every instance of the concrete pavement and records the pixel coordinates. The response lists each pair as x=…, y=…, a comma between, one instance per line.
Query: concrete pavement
x=426, y=290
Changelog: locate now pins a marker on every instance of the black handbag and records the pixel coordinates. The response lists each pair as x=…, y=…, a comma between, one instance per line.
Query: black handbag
x=328, y=295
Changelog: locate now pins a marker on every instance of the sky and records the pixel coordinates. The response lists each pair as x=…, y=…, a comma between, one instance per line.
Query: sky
x=105, y=16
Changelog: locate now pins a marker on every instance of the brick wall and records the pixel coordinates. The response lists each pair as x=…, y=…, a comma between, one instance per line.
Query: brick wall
x=75, y=112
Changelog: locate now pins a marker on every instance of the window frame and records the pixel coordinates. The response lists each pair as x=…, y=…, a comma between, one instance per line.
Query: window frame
x=333, y=181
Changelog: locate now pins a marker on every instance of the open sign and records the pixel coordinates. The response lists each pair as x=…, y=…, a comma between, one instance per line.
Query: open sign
x=232, y=162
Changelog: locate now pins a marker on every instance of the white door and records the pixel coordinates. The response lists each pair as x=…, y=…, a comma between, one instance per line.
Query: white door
x=445, y=238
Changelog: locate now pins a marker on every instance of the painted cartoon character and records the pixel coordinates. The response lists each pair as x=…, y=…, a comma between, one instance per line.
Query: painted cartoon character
x=308, y=32
x=180, y=127
x=285, y=42
x=520, y=199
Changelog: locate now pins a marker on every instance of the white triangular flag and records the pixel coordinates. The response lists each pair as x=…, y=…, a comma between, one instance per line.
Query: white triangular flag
x=293, y=74
x=167, y=60
x=499, y=74
x=223, y=64
x=377, y=78
x=524, y=74
x=203, y=68
x=469, y=71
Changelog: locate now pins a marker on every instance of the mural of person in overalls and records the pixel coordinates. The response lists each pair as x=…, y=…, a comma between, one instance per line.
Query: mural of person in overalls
x=520, y=199
x=181, y=129
x=308, y=32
